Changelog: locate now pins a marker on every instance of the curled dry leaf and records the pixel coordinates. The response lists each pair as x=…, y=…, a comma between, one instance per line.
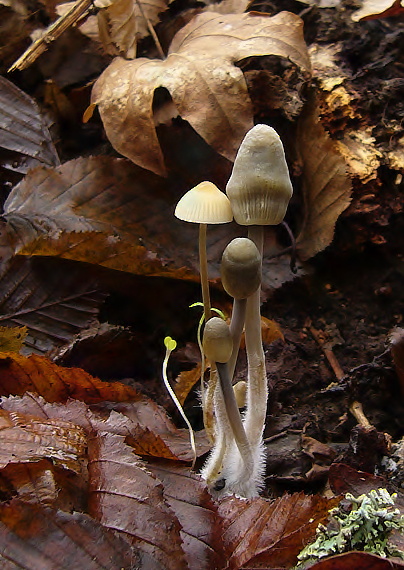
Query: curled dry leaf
x=374, y=9
x=37, y=538
x=53, y=302
x=326, y=186
x=125, y=497
x=23, y=132
x=202, y=79
x=19, y=374
x=260, y=533
x=26, y=439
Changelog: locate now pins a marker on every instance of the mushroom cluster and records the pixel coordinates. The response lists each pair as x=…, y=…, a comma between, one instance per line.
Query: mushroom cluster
x=258, y=193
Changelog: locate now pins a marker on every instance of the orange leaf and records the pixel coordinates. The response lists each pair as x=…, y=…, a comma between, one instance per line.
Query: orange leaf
x=20, y=374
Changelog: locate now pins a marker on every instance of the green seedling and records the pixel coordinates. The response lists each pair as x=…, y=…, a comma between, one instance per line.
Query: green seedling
x=171, y=345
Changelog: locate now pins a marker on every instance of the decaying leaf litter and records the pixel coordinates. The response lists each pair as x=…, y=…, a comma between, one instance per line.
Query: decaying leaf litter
x=335, y=314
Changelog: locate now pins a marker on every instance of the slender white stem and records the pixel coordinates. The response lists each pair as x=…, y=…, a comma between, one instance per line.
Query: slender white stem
x=203, y=270
x=257, y=390
x=236, y=330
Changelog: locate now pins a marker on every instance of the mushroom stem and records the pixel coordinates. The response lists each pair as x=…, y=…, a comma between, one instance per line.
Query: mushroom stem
x=236, y=330
x=233, y=415
x=257, y=390
x=203, y=270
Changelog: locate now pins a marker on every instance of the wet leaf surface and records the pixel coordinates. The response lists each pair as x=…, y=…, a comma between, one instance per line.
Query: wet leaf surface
x=35, y=538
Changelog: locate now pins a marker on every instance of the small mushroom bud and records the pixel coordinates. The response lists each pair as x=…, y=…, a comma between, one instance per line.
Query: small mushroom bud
x=241, y=268
x=217, y=342
x=240, y=392
x=259, y=187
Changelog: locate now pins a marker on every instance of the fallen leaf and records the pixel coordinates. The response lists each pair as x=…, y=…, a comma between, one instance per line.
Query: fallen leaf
x=259, y=533
x=37, y=538
x=143, y=423
x=190, y=500
x=12, y=339
x=185, y=381
x=23, y=131
x=326, y=187
x=374, y=9
x=123, y=23
x=53, y=302
x=26, y=439
x=200, y=76
x=19, y=374
x=127, y=498
x=31, y=482
x=355, y=560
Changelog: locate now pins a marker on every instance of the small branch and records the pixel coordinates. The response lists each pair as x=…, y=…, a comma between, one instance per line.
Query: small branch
x=357, y=411
x=328, y=353
x=51, y=34
x=151, y=30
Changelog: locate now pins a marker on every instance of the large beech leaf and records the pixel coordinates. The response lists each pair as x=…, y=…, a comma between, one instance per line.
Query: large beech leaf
x=37, y=538
x=357, y=560
x=26, y=438
x=144, y=424
x=53, y=301
x=23, y=132
x=326, y=186
x=19, y=374
x=197, y=513
x=260, y=533
x=108, y=211
x=125, y=497
x=208, y=90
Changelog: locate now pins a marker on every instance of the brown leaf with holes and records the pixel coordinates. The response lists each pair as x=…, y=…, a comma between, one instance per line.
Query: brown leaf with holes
x=19, y=374
x=25, y=439
x=202, y=79
x=37, y=538
x=261, y=533
x=326, y=186
x=125, y=497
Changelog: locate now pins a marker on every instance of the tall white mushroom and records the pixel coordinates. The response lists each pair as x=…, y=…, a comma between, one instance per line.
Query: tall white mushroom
x=259, y=190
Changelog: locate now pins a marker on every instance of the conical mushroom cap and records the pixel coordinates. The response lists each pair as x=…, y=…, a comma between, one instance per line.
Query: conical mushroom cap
x=204, y=204
x=259, y=187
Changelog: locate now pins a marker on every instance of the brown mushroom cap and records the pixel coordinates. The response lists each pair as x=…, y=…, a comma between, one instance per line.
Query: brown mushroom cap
x=217, y=342
x=241, y=268
x=259, y=187
x=204, y=204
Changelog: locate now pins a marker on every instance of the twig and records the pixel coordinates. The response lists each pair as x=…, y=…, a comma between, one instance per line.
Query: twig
x=357, y=411
x=151, y=30
x=51, y=34
x=328, y=353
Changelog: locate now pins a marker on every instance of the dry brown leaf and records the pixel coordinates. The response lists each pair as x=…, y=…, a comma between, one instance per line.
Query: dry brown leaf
x=372, y=9
x=26, y=438
x=357, y=560
x=37, y=538
x=127, y=498
x=124, y=22
x=185, y=381
x=200, y=75
x=12, y=338
x=23, y=131
x=31, y=482
x=190, y=500
x=53, y=301
x=262, y=533
x=326, y=187
x=144, y=423
x=19, y=374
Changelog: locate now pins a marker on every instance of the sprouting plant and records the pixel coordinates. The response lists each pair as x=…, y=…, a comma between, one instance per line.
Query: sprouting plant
x=364, y=524
x=171, y=345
